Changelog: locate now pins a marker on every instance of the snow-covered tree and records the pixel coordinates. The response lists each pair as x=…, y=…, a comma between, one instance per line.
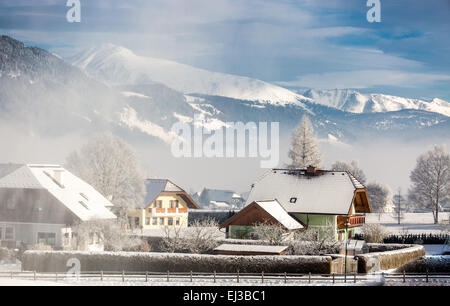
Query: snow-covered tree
x=379, y=195
x=304, y=151
x=353, y=168
x=109, y=164
x=431, y=180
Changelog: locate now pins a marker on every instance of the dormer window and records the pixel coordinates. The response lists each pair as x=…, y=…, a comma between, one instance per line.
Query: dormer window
x=84, y=205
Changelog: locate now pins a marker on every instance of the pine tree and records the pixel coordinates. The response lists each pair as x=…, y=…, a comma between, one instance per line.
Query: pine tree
x=304, y=151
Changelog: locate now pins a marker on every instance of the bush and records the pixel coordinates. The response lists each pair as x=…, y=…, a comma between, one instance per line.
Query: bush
x=373, y=233
x=56, y=261
x=41, y=247
x=201, y=237
x=5, y=254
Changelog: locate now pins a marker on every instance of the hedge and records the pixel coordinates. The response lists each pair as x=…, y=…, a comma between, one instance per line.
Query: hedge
x=55, y=261
x=396, y=258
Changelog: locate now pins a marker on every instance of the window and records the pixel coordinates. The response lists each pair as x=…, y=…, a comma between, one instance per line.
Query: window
x=84, y=196
x=161, y=221
x=84, y=205
x=136, y=221
x=147, y=221
x=170, y=221
x=159, y=203
x=177, y=203
x=154, y=221
x=11, y=204
x=46, y=238
x=171, y=204
x=177, y=221
x=9, y=233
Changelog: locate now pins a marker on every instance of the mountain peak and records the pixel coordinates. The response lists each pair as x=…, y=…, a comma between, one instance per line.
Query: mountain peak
x=117, y=65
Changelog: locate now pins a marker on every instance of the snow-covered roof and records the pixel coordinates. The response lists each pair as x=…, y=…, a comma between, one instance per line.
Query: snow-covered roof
x=279, y=213
x=327, y=192
x=244, y=248
x=219, y=204
x=75, y=194
x=156, y=186
x=273, y=208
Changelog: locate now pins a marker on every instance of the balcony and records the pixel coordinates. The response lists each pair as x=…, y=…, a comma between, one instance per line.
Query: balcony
x=353, y=221
x=167, y=211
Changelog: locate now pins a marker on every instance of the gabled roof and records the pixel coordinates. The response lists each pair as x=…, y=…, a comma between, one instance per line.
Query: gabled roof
x=154, y=187
x=75, y=194
x=327, y=192
x=272, y=208
x=217, y=195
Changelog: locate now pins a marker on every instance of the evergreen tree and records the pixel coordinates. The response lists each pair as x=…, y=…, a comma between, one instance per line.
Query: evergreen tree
x=304, y=151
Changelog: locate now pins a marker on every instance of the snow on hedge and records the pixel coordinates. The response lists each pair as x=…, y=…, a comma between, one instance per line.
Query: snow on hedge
x=55, y=261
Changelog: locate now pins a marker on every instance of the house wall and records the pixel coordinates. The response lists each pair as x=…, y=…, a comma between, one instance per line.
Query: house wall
x=27, y=233
x=143, y=214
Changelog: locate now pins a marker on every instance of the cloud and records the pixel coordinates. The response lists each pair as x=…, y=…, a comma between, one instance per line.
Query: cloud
x=366, y=79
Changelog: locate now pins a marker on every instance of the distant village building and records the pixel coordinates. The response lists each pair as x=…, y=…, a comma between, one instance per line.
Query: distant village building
x=219, y=199
x=165, y=204
x=317, y=199
x=40, y=203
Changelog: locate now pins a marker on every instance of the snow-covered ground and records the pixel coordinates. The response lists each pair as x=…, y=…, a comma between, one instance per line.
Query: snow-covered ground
x=411, y=223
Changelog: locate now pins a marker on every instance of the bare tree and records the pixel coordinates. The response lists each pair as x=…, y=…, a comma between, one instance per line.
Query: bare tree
x=109, y=164
x=274, y=234
x=374, y=233
x=431, y=180
x=353, y=168
x=399, y=206
x=202, y=235
x=108, y=232
x=173, y=240
x=304, y=150
x=379, y=196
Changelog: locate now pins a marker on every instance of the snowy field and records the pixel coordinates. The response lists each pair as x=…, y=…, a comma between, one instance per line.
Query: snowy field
x=411, y=223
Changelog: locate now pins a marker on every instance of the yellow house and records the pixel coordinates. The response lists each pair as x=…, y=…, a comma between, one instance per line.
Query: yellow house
x=165, y=204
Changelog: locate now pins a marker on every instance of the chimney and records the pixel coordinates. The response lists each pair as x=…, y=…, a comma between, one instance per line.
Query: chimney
x=311, y=170
x=58, y=177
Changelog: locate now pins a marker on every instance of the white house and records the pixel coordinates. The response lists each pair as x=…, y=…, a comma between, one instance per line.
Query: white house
x=39, y=204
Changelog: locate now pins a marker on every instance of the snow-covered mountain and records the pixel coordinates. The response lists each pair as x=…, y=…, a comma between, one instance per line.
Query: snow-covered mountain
x=41, y=94
x=117, y=65
x=355, y=102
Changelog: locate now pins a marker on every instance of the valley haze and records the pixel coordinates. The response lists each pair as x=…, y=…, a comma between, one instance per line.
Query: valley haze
x=51, y=107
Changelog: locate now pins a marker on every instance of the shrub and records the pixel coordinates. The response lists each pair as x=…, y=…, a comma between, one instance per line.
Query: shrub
x=272, y=233
x=41, y=247
x=5, y=254
x=373, y=233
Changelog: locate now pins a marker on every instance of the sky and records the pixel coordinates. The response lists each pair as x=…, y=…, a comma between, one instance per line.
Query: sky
x=296, y=44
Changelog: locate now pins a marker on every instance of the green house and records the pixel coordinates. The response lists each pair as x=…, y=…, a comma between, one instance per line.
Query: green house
x=321, y=200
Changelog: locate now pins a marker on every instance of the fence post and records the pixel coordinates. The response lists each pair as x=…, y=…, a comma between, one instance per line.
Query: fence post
x=333, y=277
x=354, y=279
x=191, y=276
x=309, y=277
x=168, y=275
x=214, y=275
x=427, y=276
x=56, y=276
x=101, y=276
x=123, y=276
x=34, y=275
x=404, y=276
x=285, y=277
x=146, y=276
x=262, y=277
x=237, y=276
